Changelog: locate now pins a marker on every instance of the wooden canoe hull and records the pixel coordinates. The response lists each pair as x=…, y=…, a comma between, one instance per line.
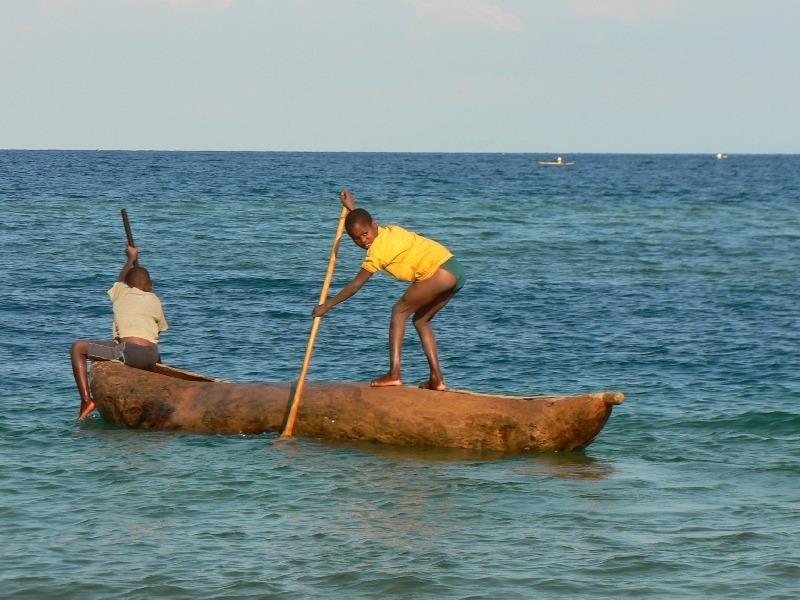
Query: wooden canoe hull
x=351, y=411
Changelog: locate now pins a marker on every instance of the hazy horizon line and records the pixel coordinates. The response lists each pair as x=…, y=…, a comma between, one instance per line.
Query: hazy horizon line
x=520, y=152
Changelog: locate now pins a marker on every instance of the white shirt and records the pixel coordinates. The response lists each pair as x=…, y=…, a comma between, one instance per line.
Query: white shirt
x=136, y=313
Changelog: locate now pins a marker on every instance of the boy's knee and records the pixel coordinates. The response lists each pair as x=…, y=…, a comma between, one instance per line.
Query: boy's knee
x=419, y=323
x=400, y=309
x=419, y=319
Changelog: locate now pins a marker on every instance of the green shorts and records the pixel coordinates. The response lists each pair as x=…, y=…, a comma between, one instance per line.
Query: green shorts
x=456, y=269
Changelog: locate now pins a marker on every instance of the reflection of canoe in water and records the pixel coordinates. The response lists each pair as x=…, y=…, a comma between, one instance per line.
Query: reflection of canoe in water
x=176, y=400
x=555, y=163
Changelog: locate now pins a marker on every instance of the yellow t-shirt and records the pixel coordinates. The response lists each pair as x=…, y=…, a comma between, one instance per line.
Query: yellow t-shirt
x=405, y=255
x=136, y=313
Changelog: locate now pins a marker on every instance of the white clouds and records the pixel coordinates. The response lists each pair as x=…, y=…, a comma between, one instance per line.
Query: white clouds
x=468, y=12
x=625, y=11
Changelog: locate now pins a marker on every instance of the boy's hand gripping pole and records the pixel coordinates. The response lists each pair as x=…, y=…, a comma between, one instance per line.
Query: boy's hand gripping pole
x=298, y=391
x=128, y=231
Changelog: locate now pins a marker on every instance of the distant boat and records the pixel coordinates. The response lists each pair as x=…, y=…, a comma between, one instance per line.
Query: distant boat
x=721, y=156
x=558, y=162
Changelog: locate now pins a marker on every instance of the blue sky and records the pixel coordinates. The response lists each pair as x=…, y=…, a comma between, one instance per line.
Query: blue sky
x=402, y=75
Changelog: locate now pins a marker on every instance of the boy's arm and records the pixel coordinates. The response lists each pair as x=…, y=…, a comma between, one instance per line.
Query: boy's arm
x=347, y=199
x=347, y=291
x=132, y=252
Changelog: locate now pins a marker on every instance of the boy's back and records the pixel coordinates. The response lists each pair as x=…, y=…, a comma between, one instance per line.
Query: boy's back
x=136, y=313
x=405, y=255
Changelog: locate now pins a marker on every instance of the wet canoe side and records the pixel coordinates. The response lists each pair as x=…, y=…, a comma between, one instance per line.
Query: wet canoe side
x=351, y=411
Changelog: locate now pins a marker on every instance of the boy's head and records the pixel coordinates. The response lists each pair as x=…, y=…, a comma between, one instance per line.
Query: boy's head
x=361, y=227
x=138, y=277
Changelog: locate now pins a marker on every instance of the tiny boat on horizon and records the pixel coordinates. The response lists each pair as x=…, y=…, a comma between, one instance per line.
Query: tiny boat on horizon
x=557, y=162
x=177, y=400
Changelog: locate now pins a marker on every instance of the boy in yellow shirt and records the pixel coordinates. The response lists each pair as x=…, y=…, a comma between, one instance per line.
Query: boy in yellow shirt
x=138, y=320
x=435, y=274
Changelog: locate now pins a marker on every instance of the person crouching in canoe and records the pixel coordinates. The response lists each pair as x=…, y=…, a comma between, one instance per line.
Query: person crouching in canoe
x=138, y=320
x=435, y=274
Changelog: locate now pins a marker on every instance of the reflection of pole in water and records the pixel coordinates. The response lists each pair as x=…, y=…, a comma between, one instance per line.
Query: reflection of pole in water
x=383, y=492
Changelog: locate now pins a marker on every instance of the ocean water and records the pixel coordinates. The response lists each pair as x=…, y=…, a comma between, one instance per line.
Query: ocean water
x=672, y=278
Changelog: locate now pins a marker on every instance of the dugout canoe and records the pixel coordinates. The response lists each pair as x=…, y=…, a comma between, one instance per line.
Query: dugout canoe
x=176, y=400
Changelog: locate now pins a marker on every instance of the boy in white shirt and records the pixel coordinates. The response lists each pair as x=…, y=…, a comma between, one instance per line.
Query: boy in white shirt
x=138, y=320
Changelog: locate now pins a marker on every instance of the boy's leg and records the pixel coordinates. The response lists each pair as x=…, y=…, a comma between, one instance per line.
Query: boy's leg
x=79, y=356
x=422, y=322
x=81, y=351
x=421, y=293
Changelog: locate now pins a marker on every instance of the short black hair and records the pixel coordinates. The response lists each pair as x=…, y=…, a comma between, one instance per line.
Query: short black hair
x=357, y=215
x=138, y=277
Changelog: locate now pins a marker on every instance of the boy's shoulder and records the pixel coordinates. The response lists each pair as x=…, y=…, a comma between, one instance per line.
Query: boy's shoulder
x=120, y=288
x=387, y=234
x=393, y=230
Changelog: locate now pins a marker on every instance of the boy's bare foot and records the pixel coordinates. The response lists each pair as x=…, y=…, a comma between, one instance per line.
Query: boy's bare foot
x=433, y=384
x=86, y=409
x=386, y=380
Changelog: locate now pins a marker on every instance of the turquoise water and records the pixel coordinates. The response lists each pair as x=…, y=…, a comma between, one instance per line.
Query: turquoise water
x=671, y=278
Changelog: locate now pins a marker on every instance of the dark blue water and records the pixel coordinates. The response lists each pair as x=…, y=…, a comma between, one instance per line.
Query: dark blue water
x=671, y=278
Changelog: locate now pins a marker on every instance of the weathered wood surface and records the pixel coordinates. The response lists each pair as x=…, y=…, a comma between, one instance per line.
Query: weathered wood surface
x=351, y=411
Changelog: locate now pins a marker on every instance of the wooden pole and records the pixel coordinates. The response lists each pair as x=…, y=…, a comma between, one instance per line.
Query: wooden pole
x=128, y=231
x=298, y=391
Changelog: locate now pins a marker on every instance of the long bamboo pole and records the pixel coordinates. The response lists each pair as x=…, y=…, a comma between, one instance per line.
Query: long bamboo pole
x=298, y=391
